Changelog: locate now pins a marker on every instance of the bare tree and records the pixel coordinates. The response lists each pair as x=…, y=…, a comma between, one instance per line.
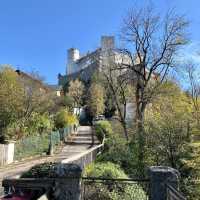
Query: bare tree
x=118, y=86
x=152, y=44
x=76, y=90
x=192, y=74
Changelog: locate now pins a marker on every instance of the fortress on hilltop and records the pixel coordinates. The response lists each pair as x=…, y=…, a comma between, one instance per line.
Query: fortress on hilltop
x=83, y=67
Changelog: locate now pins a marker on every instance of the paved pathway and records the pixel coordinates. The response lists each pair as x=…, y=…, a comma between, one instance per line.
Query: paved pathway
x=77, y=144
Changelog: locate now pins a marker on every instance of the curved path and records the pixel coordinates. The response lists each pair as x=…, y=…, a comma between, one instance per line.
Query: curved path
x=78, y=144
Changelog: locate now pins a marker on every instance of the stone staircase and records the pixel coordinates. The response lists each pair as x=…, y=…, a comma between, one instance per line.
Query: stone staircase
x=85, y=135
x=77, y=143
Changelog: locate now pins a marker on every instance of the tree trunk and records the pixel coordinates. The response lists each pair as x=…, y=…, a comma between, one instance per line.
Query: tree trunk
x=124, y=122
x=122, y=116
x=125, y=130
x=139, y=119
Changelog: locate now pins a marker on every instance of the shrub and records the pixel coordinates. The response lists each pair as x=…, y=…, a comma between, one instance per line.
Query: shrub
x=105, y=170
x=12, y=132
x=53, y=170
x=38, y=124
x=111, y=190
x=116, y=150
x=43, y=170
x=103, y=128
x=64, y=118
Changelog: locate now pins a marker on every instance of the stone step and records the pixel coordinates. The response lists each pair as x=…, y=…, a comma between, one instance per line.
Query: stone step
x=84, y=132
x=81, y=135
x=82, y=140
x=85, y=138
x=88, y=142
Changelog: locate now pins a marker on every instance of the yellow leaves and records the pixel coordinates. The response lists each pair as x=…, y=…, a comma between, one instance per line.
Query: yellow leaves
x=170, y=103
x=64, y=118
x=72, y=119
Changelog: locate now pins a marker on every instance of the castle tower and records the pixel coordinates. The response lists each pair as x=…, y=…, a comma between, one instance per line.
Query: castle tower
x=107, y=43
x=107, y=47
x=72, y=56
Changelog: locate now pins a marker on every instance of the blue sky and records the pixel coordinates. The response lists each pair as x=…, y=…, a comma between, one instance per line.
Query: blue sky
x=35, y=34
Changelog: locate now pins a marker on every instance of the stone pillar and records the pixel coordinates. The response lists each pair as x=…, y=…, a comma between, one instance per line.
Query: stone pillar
x=68, y=186
x=159, y=176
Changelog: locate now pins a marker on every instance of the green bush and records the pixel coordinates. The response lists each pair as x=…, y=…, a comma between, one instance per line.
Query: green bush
x=111, y=189
x=117, y=150
x=104, y=170
x=103, y=128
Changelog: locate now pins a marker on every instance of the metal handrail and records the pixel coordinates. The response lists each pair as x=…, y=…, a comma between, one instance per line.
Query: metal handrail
x=175, y=195
x=115, y=179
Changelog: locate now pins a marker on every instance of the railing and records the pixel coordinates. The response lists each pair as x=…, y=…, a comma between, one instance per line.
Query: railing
x=102, y=188
x=86, y=157
x=173, y=194
x=46, y=184
x=70, y=185
x=91, y=188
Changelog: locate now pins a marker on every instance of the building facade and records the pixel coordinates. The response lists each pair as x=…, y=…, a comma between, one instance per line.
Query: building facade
x=83, y=67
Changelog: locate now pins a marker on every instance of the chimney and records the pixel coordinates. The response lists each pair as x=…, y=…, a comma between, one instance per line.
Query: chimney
x=72, y=56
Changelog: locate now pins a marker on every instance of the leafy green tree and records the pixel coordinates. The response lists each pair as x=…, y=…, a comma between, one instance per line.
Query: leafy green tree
x=167, y=126
x=171, y=129
x=11, y=100
x=25, y=104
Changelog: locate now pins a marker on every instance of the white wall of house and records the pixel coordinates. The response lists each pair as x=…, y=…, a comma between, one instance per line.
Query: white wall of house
x=130, y=112
x=6, y=153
